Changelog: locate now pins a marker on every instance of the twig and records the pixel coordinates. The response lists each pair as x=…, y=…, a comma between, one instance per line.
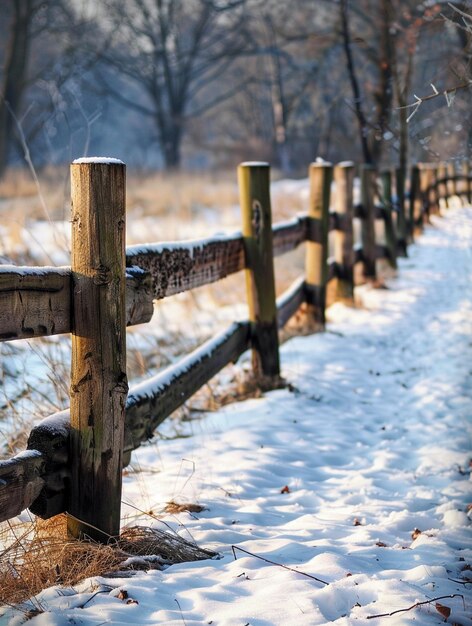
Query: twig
x=414, y=606
x=181, y=613
x=461, y=582
x=291, y=569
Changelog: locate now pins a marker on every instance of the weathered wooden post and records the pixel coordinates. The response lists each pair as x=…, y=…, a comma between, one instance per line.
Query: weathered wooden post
x=433, y=189
x=316, y=265
x=466, y=198
x=451, y=181
x=98, y=373
x=401, y=225
x=424, y=179
x=343, y=235
x=416, y=204
x=442, y=185
x=254, y=193
x=369, y=248
x=390, y=234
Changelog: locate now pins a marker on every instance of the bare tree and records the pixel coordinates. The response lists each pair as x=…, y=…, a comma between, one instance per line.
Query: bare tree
x=176, y=51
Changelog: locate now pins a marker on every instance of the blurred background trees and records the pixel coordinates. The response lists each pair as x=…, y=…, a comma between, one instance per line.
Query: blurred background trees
x=206, y=83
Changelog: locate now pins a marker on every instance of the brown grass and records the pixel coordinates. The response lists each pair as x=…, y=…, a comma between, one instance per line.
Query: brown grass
x=41, y=555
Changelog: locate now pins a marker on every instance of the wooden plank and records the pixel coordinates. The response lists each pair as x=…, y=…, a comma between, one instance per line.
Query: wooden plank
x=20, y=482
x=316, y=268
x=287, y=236
x=150, y=402
x=180, y=266
x=254, y=194
x=290, y=301
x=35, y=301
x=99, y=385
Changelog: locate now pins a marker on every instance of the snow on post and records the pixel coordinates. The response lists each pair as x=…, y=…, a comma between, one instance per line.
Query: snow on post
x=98, y=372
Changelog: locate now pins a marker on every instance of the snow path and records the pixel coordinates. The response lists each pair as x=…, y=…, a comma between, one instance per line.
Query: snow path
x=373, y=441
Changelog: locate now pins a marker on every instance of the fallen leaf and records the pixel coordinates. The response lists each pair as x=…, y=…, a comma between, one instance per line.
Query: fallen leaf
x=356, y=522
x=445, y=611
x=176, y=507
x=131, y=601
x=285, y=489
x=381, y=544
x=122, y=594
x=415, y=534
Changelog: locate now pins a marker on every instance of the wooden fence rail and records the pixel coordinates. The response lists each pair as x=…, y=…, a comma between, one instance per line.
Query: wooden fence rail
x=62, y=449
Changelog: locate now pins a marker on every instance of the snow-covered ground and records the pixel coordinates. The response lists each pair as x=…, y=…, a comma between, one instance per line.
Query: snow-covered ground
x=346, y=493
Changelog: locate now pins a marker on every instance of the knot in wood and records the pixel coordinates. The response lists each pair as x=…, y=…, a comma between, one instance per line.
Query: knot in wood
x=102, y=275
x=256, y=218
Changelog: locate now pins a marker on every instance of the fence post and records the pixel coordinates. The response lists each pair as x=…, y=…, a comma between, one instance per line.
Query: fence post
x=433, y=189
x=98, y=372
x=466, y=183
x=344, y=235
x=316, y=265
x=402, y=230
x=451, y=181
x=442, y=185
x=369, y=251
x=416, y=203
x=254, y=193
x=390, y=234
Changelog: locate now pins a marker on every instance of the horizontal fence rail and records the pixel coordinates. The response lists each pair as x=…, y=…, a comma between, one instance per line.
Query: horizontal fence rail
x=38, y=302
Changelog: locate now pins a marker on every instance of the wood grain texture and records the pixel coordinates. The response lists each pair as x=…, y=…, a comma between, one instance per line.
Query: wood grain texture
x=401, y=223
x=316, y=266
x=98, y=372
x=175, y=269
x=287, y=236
x=368, y=191
x=343, y=287
x=20, y=483
x=256, y=217
x=36, y=302
x=390, y=232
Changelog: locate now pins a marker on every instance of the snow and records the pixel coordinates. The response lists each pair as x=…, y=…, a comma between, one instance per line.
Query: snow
x=33, y=271
x=190, y=245
x=331, y=477
x=254, y=164
x=105, y=160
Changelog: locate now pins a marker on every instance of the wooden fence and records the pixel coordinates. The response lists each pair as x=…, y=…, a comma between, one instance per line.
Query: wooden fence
x=74, y=459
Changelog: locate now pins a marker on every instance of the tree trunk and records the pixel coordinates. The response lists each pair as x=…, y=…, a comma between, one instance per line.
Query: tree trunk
x=361, y=118
x=16, y=63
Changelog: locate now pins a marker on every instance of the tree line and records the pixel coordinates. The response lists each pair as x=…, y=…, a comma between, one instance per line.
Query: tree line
x=198, y=83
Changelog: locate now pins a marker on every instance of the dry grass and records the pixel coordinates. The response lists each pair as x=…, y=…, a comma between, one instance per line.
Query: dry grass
x=41, y=556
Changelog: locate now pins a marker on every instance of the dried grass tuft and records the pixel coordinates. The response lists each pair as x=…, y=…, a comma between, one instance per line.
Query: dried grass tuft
x=41, y=556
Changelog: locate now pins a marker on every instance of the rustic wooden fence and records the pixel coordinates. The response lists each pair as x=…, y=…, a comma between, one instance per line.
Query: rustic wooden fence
x=74, y=459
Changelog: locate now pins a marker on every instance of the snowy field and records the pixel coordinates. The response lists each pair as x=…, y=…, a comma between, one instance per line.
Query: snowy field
x=347, y=493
